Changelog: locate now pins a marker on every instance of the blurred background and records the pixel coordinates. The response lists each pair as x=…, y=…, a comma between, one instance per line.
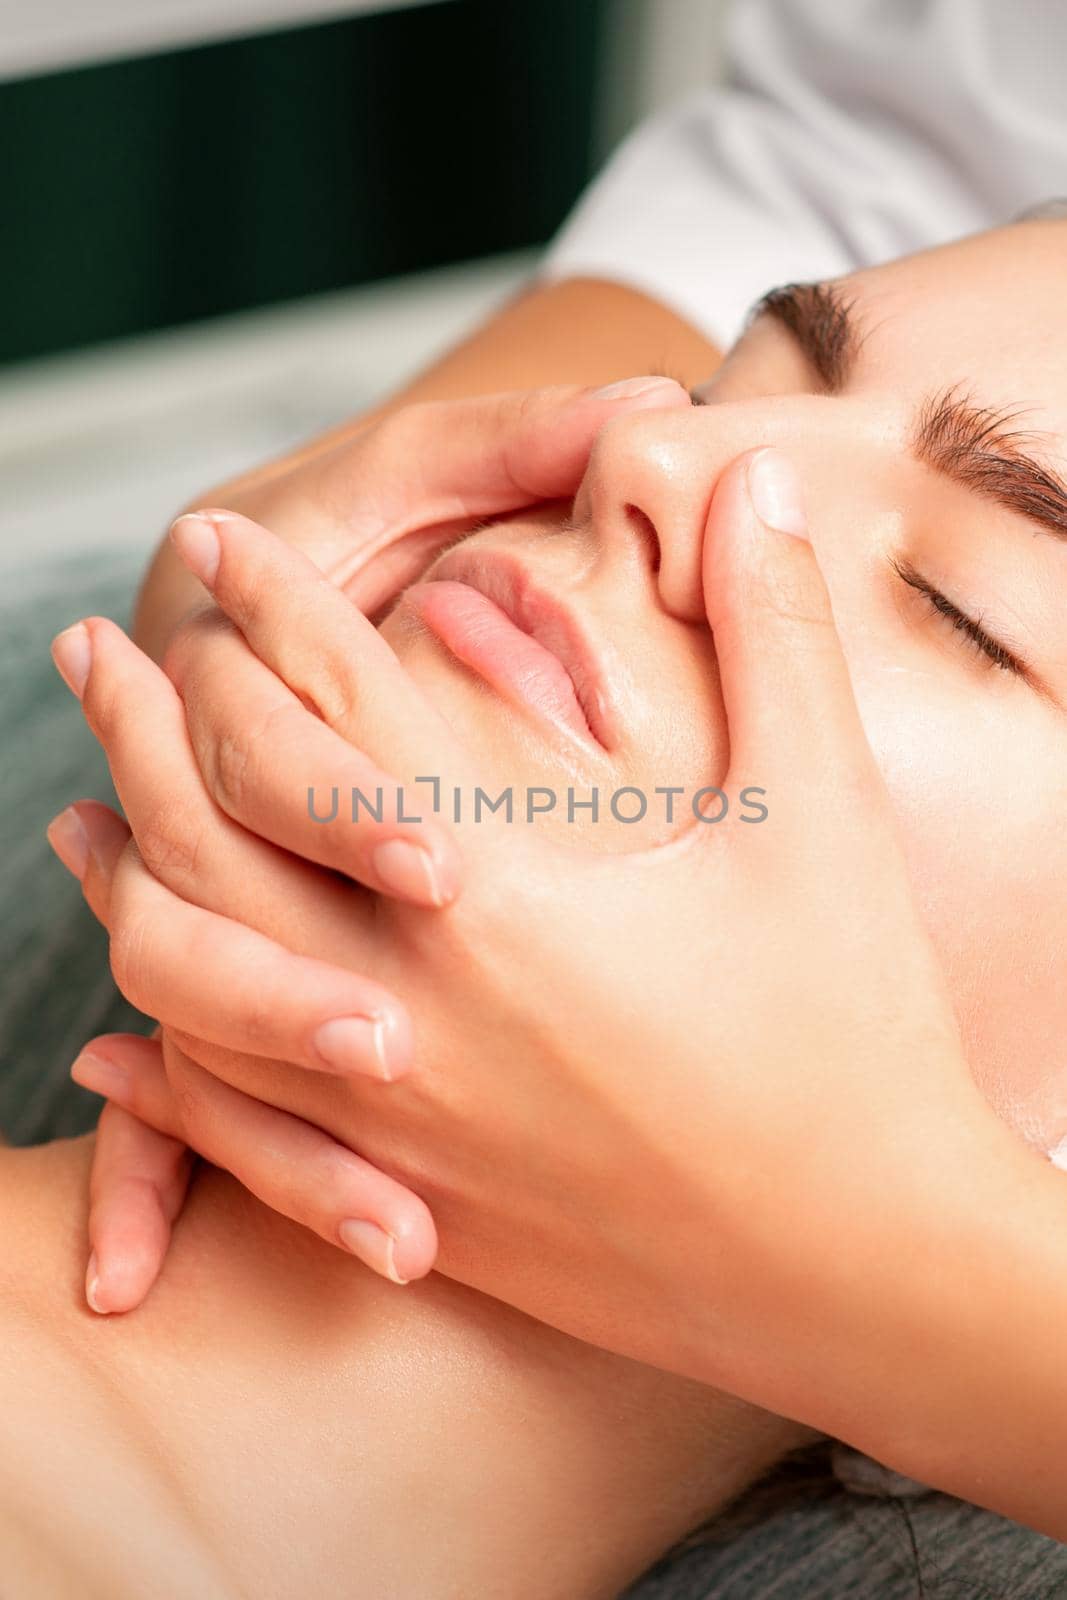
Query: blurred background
x=224, y=227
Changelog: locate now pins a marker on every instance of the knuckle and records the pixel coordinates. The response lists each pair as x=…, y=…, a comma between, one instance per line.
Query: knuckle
x=130, y=956
x=521, y=425
x=333, y=696
x=171, y=845
x=238, y=765
x=525, y=417
x=184, y=637
x=230, y=762
x=194, y=642
x=231, y=759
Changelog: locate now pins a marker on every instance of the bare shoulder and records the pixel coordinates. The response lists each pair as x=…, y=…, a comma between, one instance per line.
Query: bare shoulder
x=43, y=1216
x=43, y=1213
x=85, y=1510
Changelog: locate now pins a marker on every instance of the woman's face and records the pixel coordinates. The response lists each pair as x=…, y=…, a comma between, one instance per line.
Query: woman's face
x=925, y=404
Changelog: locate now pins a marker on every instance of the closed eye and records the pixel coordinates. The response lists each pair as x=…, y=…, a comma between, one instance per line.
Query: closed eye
x=969, y=627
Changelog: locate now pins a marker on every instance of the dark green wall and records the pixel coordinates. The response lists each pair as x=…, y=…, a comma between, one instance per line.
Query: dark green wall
x=141, y=194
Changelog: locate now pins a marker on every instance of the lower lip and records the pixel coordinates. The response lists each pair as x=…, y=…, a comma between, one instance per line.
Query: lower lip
x=484, y=638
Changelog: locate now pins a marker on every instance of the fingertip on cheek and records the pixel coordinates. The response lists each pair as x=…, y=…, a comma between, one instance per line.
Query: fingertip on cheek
x=411, y=872
x=376, y=1045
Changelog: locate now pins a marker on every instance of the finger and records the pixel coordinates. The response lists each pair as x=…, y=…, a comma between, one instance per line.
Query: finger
x=184, y=839
x=498, y=452
x=301, y=625
x=285, y=775
x=399, y=491
x=291, y=1166
x=793, y=722
x=128, y=1069
x=228, y=984
x=261, y=999
x=138, y=1186
x=89, y=838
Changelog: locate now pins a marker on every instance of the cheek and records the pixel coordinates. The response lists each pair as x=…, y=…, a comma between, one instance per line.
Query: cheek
x=981, y=794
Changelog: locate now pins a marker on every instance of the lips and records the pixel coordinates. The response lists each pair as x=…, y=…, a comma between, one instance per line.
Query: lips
x=486, y=610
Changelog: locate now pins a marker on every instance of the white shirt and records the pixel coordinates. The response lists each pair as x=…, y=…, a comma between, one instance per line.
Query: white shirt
x=846, y=132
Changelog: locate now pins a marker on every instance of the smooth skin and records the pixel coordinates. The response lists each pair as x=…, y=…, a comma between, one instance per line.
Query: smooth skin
x=278, y=1422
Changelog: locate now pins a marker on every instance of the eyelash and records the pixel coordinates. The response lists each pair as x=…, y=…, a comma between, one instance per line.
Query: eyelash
x=993, y=651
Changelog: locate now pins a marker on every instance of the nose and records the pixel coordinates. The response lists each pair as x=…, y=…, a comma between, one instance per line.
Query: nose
x=651, y=476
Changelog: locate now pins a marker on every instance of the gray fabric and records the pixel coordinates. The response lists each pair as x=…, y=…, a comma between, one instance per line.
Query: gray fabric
x=802, y=1535
x=55, y=987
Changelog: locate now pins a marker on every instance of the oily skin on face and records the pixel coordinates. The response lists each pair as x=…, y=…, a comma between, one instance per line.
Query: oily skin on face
x=974, y=753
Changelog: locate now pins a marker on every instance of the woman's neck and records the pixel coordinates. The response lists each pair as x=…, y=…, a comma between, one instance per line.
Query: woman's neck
x=276, y=1420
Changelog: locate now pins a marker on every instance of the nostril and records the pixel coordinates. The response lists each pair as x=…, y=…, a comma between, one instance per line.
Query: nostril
x=645, y=530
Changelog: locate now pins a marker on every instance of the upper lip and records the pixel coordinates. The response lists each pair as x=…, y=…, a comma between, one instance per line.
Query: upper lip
x=502, y=578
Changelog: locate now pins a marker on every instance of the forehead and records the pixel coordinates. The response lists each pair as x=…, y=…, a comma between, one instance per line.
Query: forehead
x=988, y=313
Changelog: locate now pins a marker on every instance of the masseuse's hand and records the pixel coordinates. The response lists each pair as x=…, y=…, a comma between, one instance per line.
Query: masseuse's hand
x=739, y=1134
x=193, y=882
x=370, y=513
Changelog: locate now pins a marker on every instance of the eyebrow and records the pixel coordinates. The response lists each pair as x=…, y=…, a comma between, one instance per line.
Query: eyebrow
x=976, y=446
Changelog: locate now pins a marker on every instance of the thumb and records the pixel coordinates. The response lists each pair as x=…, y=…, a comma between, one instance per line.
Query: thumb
x=495, y=453
x=793, y=723
x=540, y=441
x=427, y=468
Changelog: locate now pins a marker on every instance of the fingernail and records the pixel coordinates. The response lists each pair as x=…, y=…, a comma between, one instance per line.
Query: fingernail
x=197, y=543
x=629, y=388
x=72, y=652
x=101, y=1076
x=68, y=838
x=408, y=870
x=351, y=1044
x=374, y=1247
x=92, y=1287
x=776, y=495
